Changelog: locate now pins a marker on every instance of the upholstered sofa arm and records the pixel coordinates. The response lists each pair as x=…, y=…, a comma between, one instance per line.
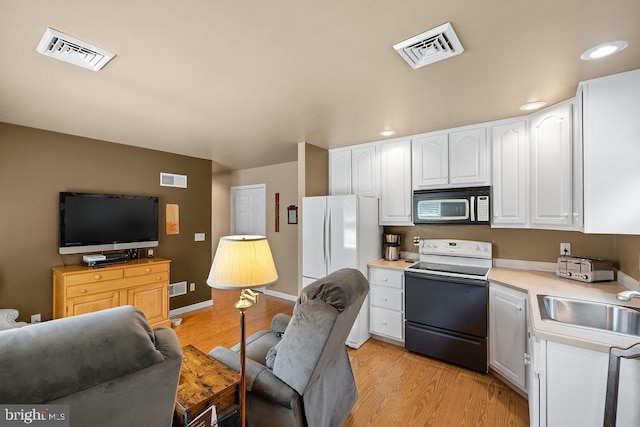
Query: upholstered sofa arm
x=260, y=379
x=167, y=343
x=279, y=323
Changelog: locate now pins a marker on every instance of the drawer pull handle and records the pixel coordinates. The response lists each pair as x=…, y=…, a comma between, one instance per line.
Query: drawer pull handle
x=384, y=279
x=97, y=277
x=147, y=270
x=519, y=308
x=83, y=291
x=385, y=299
x=384, y=322
x=158, y=278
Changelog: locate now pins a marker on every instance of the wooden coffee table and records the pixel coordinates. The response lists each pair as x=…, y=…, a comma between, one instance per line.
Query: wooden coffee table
x=205, y=382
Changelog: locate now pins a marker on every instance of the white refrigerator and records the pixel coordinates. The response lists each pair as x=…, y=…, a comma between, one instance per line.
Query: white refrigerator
x=341, y=232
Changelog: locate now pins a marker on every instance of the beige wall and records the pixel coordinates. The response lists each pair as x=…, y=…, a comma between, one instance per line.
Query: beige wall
x=316, y=170
x=283, y=179
x=535, y=245
x=628, y=255
x=35, y=165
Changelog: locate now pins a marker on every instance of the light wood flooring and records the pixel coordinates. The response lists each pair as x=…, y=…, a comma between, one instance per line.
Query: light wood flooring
x=395, y=387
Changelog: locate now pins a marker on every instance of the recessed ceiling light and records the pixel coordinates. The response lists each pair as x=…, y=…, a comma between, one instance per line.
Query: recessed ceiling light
x=533, y=105
x=604, y=49
x=387, y=132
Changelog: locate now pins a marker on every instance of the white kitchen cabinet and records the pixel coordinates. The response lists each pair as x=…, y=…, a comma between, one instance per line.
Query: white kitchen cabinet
x=551, y=186
x=455, y=159
x=468, y=157
x=430, y=161
x=510, y=172
x=395, y=182
x=611, y=149
x=386, y=302
x=340, y=172
x=571, y=387
x=354, y=171
x=364, y=171
x=508, y=334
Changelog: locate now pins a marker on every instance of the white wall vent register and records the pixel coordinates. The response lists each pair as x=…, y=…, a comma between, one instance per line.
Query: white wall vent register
x=179, y=288
x=72, y=50
x=173, y=180
x=431, y=46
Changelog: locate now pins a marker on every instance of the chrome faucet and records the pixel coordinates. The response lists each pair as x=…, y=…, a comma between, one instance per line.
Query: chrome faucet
x=627, y=295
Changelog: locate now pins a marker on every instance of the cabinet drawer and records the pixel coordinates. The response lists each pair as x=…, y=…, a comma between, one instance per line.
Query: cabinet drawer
x=92, y=288
x=145, y=269
x=386, y=298
x=386, y=322
x=386, y=277
x=93, y=276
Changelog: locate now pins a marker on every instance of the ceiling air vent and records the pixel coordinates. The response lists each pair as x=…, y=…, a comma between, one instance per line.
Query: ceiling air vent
x=69, y=49
x=173, y=180
x=431, y=46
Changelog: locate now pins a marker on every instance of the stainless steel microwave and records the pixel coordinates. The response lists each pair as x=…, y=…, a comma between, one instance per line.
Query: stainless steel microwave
x=452, y=206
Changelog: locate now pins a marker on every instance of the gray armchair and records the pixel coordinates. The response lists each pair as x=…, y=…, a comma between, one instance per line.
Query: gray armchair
x=298, y=373
x=110, y=367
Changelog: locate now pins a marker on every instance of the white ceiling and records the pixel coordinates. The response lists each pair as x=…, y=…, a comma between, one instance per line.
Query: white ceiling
x=243, y=82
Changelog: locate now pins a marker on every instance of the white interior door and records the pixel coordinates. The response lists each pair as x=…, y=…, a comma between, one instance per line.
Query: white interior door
x=248, y=213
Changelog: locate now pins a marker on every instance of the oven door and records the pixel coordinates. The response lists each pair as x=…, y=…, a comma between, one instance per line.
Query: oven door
x=453, y=304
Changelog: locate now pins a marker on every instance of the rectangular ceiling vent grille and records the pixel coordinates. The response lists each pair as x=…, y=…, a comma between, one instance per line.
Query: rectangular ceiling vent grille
x=431, y=46
x=173, y=180
x=72, y=50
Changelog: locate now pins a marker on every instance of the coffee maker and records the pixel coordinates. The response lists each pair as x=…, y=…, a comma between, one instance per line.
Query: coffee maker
x=391, y=247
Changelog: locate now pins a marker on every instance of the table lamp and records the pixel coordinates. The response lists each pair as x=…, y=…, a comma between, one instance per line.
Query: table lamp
x=242, y=262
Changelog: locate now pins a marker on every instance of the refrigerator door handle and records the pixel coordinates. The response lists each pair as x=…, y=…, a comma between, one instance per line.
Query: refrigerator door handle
x=328, y=242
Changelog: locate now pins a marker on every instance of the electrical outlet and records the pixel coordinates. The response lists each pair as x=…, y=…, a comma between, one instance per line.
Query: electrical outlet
x=416, y=240
x=35, y=318
x=192, y=287
x=565, y=249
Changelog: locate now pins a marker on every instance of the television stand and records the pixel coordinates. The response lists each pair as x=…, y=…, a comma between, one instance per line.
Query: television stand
x=143, y=283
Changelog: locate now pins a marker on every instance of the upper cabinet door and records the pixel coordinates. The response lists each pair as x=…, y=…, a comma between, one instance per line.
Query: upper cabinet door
x=364, y=172
x=340, y=172
x=510, y=157
x=430, y=161
x=611, y=150
x=395, y=182
x=551, y=166
x=468, y=157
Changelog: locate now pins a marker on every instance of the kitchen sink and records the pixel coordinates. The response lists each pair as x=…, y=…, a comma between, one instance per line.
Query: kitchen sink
x=606, y=317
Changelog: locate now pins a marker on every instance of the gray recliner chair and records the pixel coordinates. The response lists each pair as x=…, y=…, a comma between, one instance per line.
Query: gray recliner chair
x=298, y=373
x=110, y=367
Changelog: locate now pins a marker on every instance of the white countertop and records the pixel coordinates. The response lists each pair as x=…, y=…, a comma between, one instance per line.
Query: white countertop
x=546, y=283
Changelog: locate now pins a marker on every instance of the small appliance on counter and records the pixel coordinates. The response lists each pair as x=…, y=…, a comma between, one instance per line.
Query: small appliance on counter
x=584, y=269
x=391, y=247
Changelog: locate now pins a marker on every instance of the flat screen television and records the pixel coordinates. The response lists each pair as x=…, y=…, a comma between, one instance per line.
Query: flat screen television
x=104, y=222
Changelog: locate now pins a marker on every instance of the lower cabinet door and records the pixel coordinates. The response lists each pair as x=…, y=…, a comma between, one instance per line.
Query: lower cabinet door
x=94, y=302
x=152, y=300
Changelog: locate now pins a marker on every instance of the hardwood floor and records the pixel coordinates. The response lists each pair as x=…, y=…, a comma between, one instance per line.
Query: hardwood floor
x=395, y=387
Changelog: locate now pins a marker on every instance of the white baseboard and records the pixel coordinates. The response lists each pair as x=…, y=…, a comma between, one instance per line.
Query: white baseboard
x=191, y=307
x=281, y=295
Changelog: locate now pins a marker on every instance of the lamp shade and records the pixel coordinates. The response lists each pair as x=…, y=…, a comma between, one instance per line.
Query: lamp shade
x=242, y=262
